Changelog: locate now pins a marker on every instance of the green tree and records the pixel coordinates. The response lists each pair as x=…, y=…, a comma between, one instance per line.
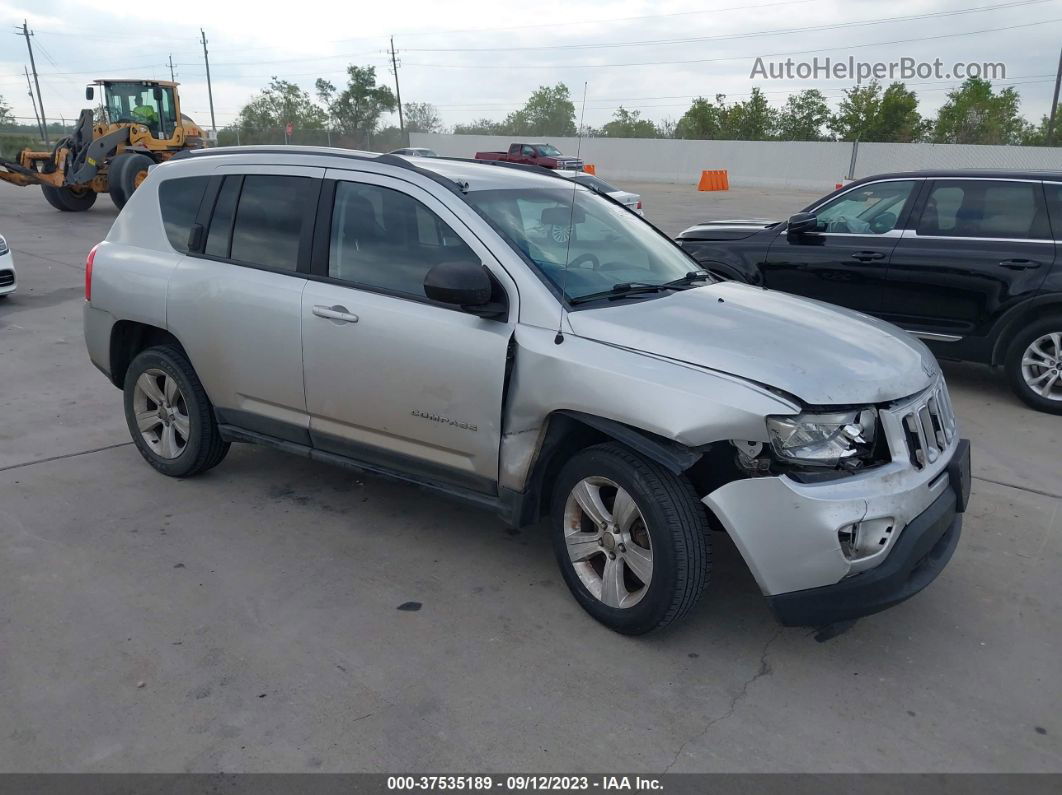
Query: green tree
x=751, y=120
x=1036, y=134
x=803, y=116
x=278, y=104
x=422, y=117
x=629, y=124
x=869, y=114
x=975, y=114
x=480, y=127
x=356, y=110
x=5, y=112
x=703, y=120
x=548, y=111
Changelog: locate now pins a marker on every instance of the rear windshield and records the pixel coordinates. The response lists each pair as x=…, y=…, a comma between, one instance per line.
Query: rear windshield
x=595, y=184
x=179, y=200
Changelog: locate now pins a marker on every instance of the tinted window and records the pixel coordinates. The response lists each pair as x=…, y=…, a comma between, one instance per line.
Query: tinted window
x=383, y=238
x=220, y=233
x=985, y=209
x=867, y=210
x=179, y=201
x=269, y=220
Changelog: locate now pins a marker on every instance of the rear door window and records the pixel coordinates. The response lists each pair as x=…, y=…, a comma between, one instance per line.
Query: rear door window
x=268, y=223
x=179, y=201
x=985, y=209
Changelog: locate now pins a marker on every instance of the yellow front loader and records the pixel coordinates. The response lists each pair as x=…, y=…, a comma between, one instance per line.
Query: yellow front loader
x=139, y=124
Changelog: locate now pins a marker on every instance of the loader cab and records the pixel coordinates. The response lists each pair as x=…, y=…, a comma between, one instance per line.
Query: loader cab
x=149, y=103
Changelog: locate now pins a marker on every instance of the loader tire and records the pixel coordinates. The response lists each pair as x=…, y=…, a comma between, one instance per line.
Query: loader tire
x=69, y=200
x=127, y=171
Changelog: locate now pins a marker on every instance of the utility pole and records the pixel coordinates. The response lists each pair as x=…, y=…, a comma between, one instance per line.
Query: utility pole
x=1054, y=103
x=398, y=92
x=210, y=90
x=172, y=78
x=36, y=82
x=33, y=101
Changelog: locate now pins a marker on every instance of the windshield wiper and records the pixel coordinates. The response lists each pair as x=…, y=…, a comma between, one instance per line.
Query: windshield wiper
x=624, y=289
x=620, y=290
x=689, y=279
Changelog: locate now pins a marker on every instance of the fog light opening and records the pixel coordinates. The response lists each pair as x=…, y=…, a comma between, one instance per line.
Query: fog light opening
x=861, y=540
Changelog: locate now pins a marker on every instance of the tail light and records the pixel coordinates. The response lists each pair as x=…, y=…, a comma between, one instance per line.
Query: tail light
x=639, y=205
x=88, y=272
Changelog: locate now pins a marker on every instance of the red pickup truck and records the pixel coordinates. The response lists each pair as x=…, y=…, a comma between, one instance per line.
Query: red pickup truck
x=545, y=155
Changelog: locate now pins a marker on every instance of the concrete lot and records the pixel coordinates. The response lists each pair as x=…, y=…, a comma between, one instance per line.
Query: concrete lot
x=246, y=620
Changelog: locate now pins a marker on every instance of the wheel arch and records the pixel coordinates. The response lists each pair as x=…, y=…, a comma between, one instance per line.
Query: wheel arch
x=129, y=338
x=1011, y=324
x=569, y=432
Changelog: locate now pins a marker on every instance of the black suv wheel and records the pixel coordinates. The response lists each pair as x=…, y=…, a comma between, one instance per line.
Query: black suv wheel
x=1034, y=364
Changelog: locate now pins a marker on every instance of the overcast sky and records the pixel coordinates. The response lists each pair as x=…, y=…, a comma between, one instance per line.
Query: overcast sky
x=473, y=59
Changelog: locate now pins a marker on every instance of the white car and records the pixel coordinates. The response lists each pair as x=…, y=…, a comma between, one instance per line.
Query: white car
x=414, y=151
x=631, y=201
x=7, y=269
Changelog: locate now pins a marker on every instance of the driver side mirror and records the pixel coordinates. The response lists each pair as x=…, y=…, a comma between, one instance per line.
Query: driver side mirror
x=90, y=92
x=463, y=283
x=802, y=224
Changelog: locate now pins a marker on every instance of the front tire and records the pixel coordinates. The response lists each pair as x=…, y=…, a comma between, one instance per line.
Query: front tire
x=169, y=415
x=69, y=200
x=631, y=539
x=1034, y=364
x=126, y=172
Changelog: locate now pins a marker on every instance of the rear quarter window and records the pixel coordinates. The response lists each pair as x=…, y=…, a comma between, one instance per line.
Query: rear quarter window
x=179, y=201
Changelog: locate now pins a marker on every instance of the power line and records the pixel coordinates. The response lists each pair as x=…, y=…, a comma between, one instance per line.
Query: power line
x=732, y=36
x=735, y=57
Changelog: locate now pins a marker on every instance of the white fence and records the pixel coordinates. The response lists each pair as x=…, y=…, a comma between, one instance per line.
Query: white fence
x=799, y=164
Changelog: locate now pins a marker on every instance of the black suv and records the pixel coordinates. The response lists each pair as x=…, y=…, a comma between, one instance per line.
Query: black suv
x=967, y=260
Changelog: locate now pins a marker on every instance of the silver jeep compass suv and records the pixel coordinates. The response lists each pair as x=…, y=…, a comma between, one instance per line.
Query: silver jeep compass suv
x=502, y=335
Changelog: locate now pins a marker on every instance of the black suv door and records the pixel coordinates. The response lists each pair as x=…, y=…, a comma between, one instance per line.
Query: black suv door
x=973, y=248
x=845, y=261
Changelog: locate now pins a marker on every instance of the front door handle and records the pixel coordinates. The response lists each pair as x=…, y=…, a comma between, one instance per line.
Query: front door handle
x=1020, y=264
x=867, y=256
x=339, y=313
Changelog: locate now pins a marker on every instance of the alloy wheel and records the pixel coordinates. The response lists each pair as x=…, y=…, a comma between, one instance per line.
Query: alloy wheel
x=161, y=413
x=1041, y=366
x=608, y=542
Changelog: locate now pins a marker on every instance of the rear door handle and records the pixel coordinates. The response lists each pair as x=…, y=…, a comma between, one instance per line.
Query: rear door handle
x=1020, y=264
x=339, y=313
x=867, y=256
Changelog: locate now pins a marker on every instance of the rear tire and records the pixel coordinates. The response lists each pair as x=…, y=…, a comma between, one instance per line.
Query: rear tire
x=69, y=200
x=114, y=180
x=1034, y=364
x=638, y=567
x=169, y=414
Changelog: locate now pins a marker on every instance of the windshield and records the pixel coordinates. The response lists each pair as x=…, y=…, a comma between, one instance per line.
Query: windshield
x=609, y=245
x=152, y=106
x=548, y=150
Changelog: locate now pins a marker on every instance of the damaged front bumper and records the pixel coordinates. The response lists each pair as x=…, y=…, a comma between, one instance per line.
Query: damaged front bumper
x=791, y=535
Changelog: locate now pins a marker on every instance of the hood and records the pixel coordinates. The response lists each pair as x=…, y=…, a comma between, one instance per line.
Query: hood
x=821, y=354
x=726, y=230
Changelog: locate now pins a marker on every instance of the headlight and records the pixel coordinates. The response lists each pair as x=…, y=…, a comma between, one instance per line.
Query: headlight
x=827, y=440
x=3, y=246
